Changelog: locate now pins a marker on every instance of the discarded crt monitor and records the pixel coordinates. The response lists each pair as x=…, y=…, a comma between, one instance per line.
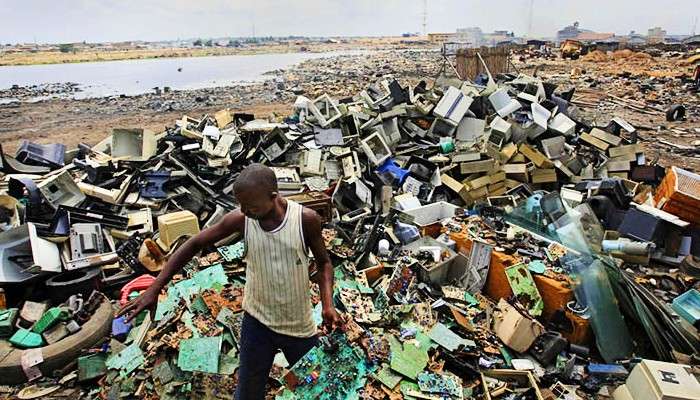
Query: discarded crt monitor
x=133, y=144
x=657, y=380
x=86, y=240
x=50, y=155
x=275, y=145
x=503, y=103
x=9, y=164
x=376, y=148
x=563, y=125
x=470, y=129
x=175, y=225
x=453, y=105
x=540, y=115
x=325, y=110
x=61, y=190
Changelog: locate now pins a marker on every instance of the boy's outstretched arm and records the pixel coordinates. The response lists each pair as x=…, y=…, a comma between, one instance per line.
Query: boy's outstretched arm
x=233, y=222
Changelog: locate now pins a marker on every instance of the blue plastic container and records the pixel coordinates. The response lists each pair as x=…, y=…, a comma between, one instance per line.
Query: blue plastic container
x=687, y=306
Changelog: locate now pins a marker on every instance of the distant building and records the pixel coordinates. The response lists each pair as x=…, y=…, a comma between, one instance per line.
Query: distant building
x=569, y=32
x=500, y=38
x=473, y=36
x=634, y=39
x=692, y=40
x=442, y=37
x=675, y=39
x=656, y=35
x=536, y=43
x=592, y=37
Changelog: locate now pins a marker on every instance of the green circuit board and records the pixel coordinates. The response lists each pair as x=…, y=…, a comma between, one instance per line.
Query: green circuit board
x=333, y=370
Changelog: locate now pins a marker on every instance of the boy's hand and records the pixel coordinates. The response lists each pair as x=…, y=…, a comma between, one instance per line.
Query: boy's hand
x=331, y=319
x=146, y=301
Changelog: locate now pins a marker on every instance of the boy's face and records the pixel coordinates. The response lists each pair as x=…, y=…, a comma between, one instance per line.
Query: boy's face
x=256, y=203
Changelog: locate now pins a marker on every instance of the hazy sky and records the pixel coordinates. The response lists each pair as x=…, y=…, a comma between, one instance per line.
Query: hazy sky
x=113, y=20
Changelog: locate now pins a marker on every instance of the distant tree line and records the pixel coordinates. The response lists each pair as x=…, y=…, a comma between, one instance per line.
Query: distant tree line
x=66, y=47
x=238, y=42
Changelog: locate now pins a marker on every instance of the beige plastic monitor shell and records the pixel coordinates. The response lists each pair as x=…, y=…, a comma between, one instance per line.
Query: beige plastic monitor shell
x=374, y=143
x=453, y=105
x=658, y=380
x=562, y=124
x=390, y=129
x=503, y=103
x=175, y=225
x=431, y=213
x=554, y=147
x=516, y=330
x=325, y=110
x=540, y=115
x=287, y=178
x=423, y=105
x=501, y=126
x=45, y=254
x=223, y=118
x=61, y=189
x=140, y=221
x=311, y=162
x=222, y=149
x=133, y=144
x=111, y=196
x=622, y=393
x=413, y=129
x=471, y=129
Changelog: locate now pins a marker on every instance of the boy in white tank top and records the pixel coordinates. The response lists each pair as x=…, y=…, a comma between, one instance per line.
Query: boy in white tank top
x=277, y=303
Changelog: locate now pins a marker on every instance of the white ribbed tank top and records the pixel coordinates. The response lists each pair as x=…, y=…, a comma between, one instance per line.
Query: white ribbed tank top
x=277, y=275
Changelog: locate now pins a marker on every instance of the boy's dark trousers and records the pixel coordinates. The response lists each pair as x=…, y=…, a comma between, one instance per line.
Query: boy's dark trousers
x=258, y=347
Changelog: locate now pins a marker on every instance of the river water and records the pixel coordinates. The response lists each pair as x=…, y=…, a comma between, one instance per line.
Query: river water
x=133, y=77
